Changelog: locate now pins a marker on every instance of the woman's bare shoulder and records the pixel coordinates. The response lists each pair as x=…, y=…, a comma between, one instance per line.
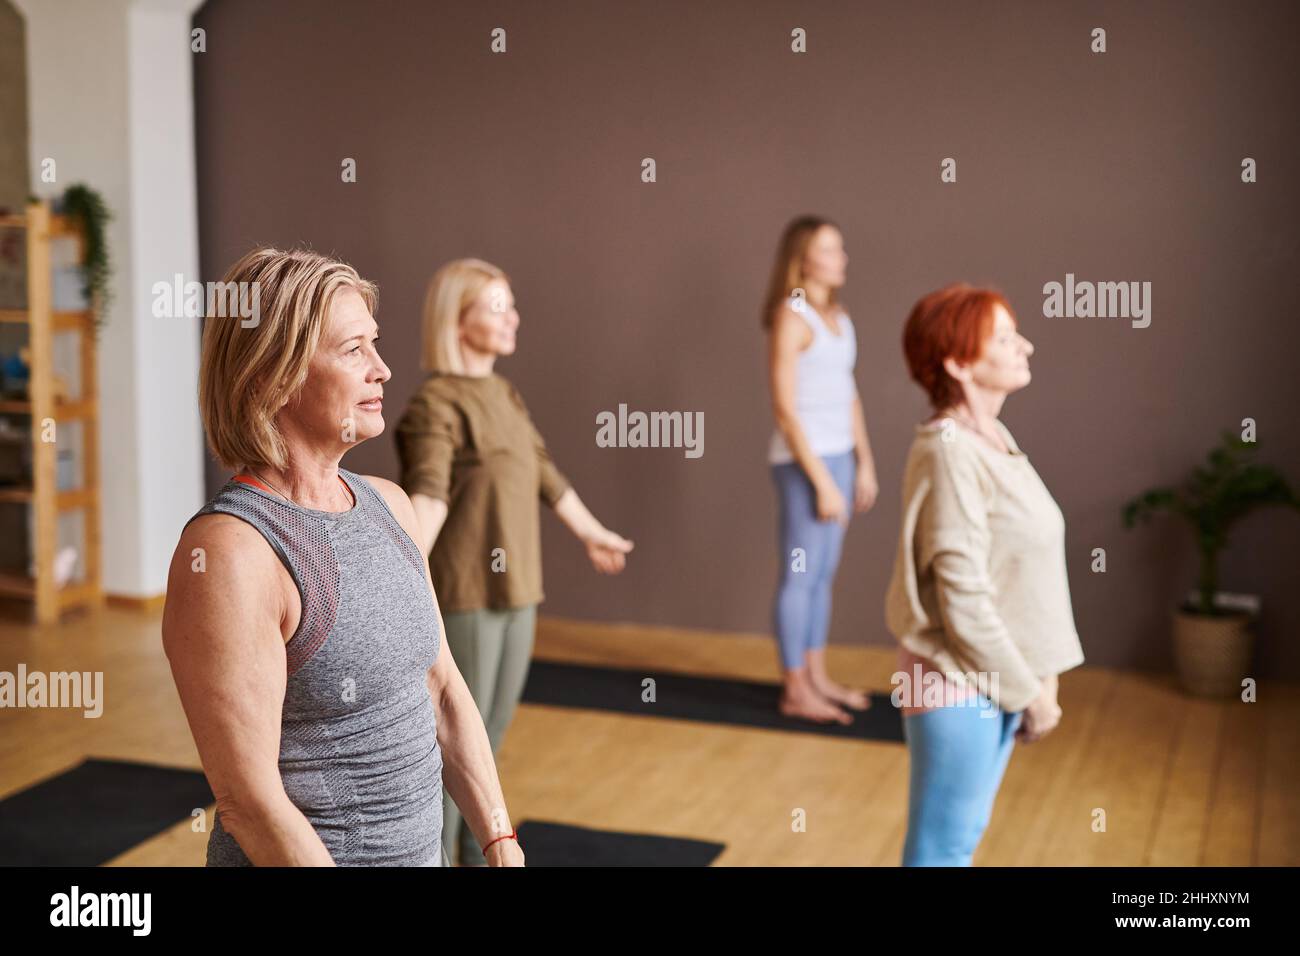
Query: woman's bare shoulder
x=222, y=568
x=789, y=325
x=223, y=531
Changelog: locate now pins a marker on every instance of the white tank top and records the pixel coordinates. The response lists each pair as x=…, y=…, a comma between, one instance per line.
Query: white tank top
x=824, y=389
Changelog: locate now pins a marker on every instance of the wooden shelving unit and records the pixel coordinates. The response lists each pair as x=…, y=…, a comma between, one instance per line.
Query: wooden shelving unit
x=44, y=496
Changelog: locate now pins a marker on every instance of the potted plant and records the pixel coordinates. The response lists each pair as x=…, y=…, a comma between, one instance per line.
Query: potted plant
x=84, y=204
x=1213, y=641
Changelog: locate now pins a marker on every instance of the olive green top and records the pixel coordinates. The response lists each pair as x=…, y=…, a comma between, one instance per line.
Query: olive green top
x=468, y=440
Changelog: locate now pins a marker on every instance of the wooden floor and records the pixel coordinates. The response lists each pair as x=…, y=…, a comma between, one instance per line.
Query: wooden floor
x=1181, y=781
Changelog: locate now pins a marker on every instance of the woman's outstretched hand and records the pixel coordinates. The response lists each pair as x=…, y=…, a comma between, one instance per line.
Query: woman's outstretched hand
x=607, y=550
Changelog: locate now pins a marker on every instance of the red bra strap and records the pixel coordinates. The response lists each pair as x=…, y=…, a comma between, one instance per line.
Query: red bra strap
x=248, y=480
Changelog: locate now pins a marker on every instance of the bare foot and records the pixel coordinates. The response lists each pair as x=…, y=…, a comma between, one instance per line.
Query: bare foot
x=814, y=707
x=839, y=694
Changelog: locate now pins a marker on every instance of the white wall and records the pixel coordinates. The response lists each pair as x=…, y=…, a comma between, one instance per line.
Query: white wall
x=111, y=101
x=165, y=241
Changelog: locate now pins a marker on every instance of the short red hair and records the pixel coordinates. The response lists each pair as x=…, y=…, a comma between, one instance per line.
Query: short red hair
x=953, y=322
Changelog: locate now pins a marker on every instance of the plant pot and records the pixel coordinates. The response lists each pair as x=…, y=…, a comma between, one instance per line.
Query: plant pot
x=1213, y=654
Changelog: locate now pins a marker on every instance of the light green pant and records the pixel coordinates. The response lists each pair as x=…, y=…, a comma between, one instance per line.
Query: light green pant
x=492, y=650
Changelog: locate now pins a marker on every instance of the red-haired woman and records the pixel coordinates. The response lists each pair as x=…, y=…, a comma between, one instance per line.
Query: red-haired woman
x=979, y=599
x=820, y=457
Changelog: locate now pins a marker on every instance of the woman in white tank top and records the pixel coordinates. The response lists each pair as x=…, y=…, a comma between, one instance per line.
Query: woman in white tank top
x=819, y=454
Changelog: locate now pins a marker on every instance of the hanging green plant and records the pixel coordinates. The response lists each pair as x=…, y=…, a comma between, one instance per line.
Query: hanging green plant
x=82, y=203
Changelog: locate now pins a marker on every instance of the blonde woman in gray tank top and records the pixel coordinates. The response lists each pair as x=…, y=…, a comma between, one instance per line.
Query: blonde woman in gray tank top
x=301, y=625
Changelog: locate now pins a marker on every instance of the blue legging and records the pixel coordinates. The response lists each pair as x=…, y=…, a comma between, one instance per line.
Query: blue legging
x=802, y=615
x=958, y=756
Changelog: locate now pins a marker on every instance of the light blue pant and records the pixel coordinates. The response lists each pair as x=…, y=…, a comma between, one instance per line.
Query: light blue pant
x=958, y=756
x=802, y=614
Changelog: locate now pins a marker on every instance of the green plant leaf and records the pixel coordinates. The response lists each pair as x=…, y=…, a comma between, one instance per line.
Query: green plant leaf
x=86, y=204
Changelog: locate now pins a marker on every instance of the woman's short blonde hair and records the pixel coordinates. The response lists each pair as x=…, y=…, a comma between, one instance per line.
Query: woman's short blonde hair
x=452, y=290
x=248, y=371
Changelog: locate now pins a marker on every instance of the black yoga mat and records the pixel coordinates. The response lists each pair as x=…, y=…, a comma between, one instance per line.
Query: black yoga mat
x=712, y=700
x=558, y=844
x=100, y=808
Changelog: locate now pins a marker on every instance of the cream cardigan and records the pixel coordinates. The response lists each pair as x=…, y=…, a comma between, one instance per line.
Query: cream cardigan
x=979, y=584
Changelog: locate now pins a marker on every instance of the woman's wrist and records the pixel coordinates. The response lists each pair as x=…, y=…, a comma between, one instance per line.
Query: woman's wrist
x=822, y=481
x=1048, y=695
x=512, y=835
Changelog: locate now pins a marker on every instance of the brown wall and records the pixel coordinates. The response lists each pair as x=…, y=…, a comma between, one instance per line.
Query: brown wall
x=1120, y=166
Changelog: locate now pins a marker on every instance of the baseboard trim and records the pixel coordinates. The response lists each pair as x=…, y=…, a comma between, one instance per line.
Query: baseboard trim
x=131, y=602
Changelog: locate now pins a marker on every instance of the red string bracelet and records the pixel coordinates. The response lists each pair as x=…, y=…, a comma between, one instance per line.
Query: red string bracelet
x=512, y=835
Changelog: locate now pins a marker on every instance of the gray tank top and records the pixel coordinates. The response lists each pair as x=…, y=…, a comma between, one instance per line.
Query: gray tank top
x=358, y=745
